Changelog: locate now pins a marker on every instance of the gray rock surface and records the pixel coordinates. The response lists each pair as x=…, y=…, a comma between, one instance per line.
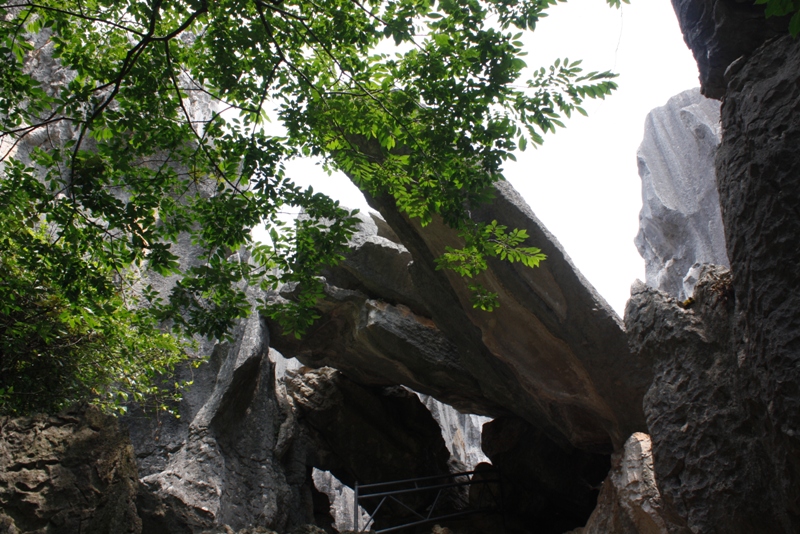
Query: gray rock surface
x=461, y=432
x=708, y=442
x=377, y=266
x=67, y=473
x=721, y=31
x=757, y=172
x=377, y=343
x=629, y=501
x=222, y=463
x=341, y=499
x=680, y=223
x=553, y=353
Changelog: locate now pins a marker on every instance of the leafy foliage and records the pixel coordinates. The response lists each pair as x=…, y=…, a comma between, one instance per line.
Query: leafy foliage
x=57, y=347
x=782, y=8
x=150, y=131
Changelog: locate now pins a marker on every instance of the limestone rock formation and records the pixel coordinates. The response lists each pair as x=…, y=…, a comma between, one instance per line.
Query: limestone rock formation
x=721, y=31
x=630, y=501
x=221, y=463
x=377, y=343
x=554, y=353
x=707, y=472
x=680, y=223
x=67, y=473
x=341, y=500
x=723, y=410
x=708, y=442
x=461, y=432
x=377, y=266
x=757, y=173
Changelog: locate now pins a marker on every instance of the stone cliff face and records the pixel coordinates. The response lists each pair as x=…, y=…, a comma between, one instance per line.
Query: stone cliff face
x=757, y=174
x=720, y=32
x=224, y=465
x=713, y=381
x=704, y=459
x=723, y=409
x=680, y=225
x=74, y=472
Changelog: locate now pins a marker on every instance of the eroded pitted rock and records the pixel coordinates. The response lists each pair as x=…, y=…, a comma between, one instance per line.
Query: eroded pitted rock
x=67, y=473
x=758, y=165
x=708, y=442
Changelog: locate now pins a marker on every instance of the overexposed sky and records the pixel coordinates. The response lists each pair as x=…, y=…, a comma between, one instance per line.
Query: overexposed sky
x=583, y=183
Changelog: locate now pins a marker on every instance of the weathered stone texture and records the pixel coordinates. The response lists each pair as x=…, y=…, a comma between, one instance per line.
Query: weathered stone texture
x=224, y=464
x=708, y=442
x=629, y=501
x=758, y=172
x=377, y=343
x=553, y=352
x=680, y=223
x=67, y=473
x=721, y=31
x=461, y=432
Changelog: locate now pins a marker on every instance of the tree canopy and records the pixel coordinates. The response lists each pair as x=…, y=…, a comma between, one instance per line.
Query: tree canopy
x=129, y=125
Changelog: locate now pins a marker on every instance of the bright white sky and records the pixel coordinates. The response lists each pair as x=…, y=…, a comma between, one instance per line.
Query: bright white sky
x=583, y=183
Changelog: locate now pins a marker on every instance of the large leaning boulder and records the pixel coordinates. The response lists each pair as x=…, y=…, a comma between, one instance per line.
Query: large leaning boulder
x=553, y=353
x=378, y=343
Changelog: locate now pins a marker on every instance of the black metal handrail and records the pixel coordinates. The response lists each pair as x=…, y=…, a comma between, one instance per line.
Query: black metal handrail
x=363, y=492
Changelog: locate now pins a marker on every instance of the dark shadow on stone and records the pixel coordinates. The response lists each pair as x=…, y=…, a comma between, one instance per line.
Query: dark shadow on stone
x=544, y=484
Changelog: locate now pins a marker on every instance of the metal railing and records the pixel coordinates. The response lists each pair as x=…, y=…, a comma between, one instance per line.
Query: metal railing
x=395, y=490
